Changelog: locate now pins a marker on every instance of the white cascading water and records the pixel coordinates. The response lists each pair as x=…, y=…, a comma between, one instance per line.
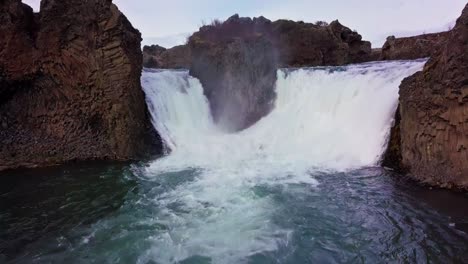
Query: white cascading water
x=325, y=119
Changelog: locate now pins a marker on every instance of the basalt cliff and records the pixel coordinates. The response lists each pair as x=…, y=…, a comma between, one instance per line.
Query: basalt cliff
x=70, y=85
x=430, y=137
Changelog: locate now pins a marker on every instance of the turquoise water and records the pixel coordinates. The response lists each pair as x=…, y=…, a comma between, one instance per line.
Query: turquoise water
x=302, y=185
x=109, y=213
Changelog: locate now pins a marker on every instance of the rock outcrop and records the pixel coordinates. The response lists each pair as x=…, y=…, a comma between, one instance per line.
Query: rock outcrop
x=151, y=56
x=70, y=84
x=321, y=44
x=433, y=129
x=178, y=57
x=410, y=48
x=297, y=43
x=237, y=68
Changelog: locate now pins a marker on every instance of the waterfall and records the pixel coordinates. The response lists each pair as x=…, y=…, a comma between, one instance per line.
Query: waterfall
x=326, y=117
x=325, y=120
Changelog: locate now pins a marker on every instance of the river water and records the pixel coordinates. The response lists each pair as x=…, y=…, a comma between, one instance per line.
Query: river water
x=303, y=185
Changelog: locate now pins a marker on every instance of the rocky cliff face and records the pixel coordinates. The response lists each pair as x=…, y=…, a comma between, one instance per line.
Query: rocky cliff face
x=151, y=56
x=434, y=115
x=70, y=84
x=306, y=44
x=178, y=57
x=410, y=48
x=238, y=71
x=297, y=43
x=236, y=60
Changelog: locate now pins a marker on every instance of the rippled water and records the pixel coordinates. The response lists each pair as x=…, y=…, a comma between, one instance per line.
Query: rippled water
x=299, y=186
x=108, y=213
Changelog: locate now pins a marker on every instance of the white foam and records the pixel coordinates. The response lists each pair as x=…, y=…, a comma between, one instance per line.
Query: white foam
x=324, y=119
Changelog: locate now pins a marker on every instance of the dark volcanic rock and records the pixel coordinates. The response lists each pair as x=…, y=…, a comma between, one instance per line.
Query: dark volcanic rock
x=392, y=156
x=238, y=73
x=70, y=84
x=411, y=48
x=151, y=56
x=178, y=57
x=307, y=44
x=297, y=43
x=434, y=114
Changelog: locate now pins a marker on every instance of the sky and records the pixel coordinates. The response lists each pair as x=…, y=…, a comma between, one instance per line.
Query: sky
x=168, y=23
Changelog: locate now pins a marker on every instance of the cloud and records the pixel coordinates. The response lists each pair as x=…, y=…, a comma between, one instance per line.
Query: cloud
x=167, y=41
x=374, y=19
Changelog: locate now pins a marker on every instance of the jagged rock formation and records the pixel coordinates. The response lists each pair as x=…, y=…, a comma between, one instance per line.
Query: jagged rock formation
x=410, y=48
x=178, y=57
x=70, y=84
x=297, y=43
x=306, y=44
x=434, y=115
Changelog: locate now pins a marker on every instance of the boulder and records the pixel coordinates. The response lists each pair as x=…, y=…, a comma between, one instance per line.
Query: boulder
x=70, y=85
x=433, y=129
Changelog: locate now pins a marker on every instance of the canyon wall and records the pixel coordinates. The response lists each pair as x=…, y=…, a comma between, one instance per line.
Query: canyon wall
x=70, y=85
x=430, y=141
